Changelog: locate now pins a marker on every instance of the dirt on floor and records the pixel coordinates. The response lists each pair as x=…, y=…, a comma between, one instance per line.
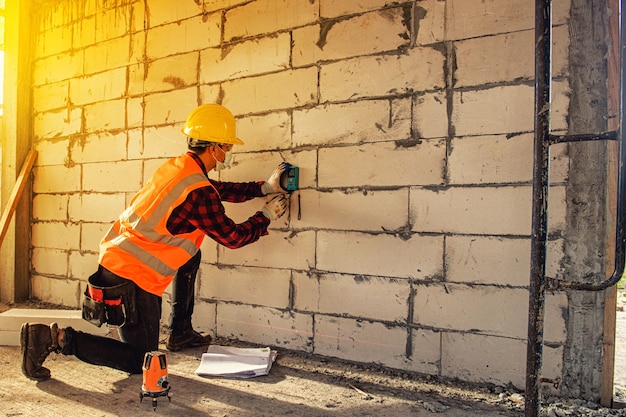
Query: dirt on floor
x=298, y=385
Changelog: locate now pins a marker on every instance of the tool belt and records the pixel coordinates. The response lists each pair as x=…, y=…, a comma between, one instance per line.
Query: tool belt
x=114, y=305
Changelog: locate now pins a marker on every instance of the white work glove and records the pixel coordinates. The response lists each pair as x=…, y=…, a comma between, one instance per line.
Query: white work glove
x=272, y=185
x=276, y=207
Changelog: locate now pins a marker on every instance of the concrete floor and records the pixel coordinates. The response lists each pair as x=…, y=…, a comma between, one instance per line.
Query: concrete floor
x=297, y=386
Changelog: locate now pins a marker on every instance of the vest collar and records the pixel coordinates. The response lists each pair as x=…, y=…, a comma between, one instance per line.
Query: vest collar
x=199, y=162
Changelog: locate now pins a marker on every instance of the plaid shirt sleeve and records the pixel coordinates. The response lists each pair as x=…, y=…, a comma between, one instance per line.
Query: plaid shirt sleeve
x=203, y=209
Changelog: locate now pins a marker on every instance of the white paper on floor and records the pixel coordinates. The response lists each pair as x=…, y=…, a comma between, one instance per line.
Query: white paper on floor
x=235, y=362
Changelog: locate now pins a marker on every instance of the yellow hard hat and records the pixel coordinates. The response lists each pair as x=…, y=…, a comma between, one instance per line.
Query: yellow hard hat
x=211, y=123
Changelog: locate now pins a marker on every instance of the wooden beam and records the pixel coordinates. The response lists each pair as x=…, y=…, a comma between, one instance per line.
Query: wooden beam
x=14, y=198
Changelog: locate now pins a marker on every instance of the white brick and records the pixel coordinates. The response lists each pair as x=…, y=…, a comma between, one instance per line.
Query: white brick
x=505, y=58
x=430, y=116
x=352, y=210
x=92, y=233
x=503, y=110
x=56, y=235
x=137, y=48
x=204, y=318
x=100, y=147
x=420, y=69
x=350, y=167
x=95, y=207
x=287, y=89
x=213, y=5
x=50, y=207
x=487, y=210
x=265, y=326
x=84, y=32
x=555, y=329
x=501, y=159
x=492, y=360
x=157, y=142
x=58, y=67
x=277, y=250
x=112, y=23
x=52, y=150
x=425, y=351
x=176, y=72
x=57, y=123
x=107, y=55
x=210, y=93
x=124, y=176
x=259, y=133
x=383, y=255
x=50, y=96
x=54, y=41
x=360, y=341
x=370, y=297
x=134, y=112
x=495, y=311
x=56, y=179
x=136, y=79
x=374, y=32
x=82, y=266
x=103, y=115
x=502, y=210
x=488, y=260
x=186, y=36
x=263, y=286
x=50, y=261
x=244, y=59
x=268, y=16
x=107, y=85
x=170, y=107
x=139, y=17
x=484, y=309
x=430, y=17
x=333, y=8
x=475, y=18
x=491, y=159
x=57, y=291
x=161, y=12
x=357, y=122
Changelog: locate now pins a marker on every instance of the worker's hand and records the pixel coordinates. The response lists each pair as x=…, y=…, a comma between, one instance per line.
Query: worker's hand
x=276, y=207
x=272, y=185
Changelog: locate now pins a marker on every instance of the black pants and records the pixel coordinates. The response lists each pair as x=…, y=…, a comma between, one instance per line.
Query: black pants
x=143, y=335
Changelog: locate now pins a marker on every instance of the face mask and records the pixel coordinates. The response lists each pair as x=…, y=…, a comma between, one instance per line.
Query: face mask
x=228, y=156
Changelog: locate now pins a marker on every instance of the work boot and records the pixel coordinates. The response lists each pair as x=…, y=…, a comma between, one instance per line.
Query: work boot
x=188, y=339
x=37, y=341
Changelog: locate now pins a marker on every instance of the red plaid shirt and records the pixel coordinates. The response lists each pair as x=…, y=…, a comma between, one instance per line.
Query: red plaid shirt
x=203, y=209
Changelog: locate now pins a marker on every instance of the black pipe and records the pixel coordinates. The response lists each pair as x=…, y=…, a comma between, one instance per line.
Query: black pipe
x=612, y=135
x=539, y=236
x=543, y=140
x=591, y=283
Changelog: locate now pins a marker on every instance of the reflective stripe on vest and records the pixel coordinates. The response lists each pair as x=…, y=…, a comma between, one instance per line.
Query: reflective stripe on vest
x=138, y=245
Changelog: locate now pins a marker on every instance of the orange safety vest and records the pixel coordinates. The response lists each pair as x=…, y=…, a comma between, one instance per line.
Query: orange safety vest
x=138, y=245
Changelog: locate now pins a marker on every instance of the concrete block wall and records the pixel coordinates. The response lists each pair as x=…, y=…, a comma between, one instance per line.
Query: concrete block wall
x=408, y=244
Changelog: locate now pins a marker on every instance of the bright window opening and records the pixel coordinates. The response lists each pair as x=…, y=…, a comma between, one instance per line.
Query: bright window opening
x=1, y=57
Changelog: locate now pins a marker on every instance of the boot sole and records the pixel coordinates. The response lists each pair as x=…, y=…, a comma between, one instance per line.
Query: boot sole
x=187, y=346
x=24, y=349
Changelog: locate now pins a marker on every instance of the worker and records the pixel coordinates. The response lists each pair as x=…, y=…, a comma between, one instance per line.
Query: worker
x=154, y=242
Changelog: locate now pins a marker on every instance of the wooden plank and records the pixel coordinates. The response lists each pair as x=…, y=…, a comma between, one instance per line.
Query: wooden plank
x=20, y=183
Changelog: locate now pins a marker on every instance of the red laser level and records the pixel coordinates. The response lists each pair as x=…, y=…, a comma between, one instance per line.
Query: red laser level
x=155, y=381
